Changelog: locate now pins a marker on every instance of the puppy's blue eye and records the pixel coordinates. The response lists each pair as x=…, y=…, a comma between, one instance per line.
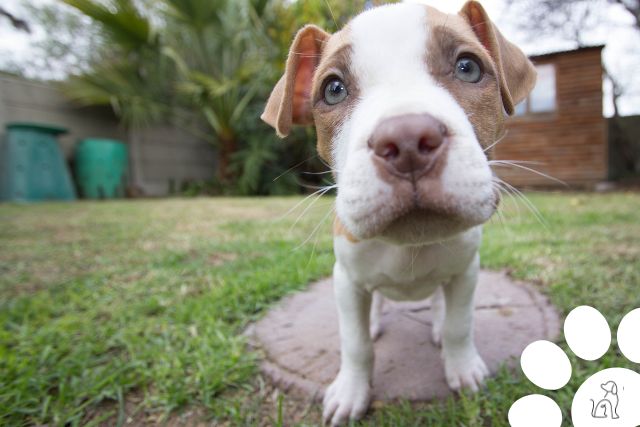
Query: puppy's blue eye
x=468, y=70
x=335, y=91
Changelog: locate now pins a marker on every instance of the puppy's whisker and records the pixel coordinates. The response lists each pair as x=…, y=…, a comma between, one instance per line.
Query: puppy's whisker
x=297, y=205
x=510, y=194
x=307, y=55
x=319, y=195
x=504, y=135
x=319, y=173
x=527, y=203
x=293, y=167
x=507, y=163
x=327, y=165
x=315, y=231
x=332, y=15
x=414, y=255
x=518, y=162
x=447, y=248
x=322, y=187
x=500, y=217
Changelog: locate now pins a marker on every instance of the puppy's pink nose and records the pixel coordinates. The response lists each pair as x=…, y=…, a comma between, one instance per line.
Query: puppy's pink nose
x=408, y=146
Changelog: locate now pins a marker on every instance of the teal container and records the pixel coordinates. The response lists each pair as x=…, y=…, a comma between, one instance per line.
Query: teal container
x=101, y=167
x=32, y=167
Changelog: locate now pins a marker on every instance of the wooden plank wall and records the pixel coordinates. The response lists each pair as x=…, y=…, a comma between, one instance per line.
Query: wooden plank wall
x=570, y=143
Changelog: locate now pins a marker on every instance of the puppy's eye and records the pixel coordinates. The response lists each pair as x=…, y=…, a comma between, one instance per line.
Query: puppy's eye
x=468, y=70
x=335, y=91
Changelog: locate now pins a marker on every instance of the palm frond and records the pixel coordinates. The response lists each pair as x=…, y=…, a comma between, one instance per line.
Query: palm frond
x=123, y=21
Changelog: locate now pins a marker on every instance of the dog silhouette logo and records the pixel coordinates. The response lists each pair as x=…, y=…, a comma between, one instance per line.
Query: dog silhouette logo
x=607, y=407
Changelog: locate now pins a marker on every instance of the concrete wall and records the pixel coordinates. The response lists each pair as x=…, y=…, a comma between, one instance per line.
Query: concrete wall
x=168, y=157
x=28, y=101
x=160, y=157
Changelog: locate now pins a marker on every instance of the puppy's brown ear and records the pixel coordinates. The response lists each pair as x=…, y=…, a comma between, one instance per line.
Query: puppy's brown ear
x=290, y=101
x=517, y=75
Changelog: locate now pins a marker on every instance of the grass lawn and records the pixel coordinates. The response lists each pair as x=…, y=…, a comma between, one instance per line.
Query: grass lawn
x=133, y=311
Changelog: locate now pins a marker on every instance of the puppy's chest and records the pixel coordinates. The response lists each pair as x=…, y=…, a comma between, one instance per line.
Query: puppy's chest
x=403, y=273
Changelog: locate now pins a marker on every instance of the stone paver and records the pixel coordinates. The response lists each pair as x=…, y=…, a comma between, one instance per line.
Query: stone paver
x=299, y=339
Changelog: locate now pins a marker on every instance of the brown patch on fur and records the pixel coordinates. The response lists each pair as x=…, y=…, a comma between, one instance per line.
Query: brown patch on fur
x=340, y=230
x=516, y=74
x=504, y=83
x=298, y=98
x=451, y=37
x=290, y=101
x=335, y=62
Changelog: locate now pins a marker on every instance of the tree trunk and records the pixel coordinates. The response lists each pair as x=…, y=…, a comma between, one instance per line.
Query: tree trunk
x=228, y=145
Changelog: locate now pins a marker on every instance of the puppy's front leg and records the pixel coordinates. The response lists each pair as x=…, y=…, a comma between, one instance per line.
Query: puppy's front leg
x=349, y=394
x=377, y=305
x=463, y=365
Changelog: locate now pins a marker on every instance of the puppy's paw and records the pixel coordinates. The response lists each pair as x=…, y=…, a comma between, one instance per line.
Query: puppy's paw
x=346, y=398
x=465, y=371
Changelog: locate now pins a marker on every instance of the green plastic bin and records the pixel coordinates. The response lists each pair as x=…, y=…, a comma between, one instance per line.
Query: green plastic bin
x=32, y=166
x=101, y=167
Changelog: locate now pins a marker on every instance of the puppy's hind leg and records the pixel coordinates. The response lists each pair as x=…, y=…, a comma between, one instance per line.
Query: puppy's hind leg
x=438, y=310
x=377, y=306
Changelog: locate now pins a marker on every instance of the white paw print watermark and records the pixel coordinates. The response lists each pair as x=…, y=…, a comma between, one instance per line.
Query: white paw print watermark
x=610, y=397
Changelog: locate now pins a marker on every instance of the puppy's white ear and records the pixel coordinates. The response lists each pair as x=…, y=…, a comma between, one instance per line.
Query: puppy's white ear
x=290, y=101
x=517, y=75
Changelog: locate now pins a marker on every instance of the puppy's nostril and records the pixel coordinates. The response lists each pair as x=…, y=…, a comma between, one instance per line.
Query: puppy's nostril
x=424, y=145
x=389, y=151
x=443, y=129
x=427, y=144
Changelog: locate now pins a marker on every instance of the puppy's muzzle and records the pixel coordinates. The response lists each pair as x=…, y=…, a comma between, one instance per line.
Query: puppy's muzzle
x=408, y=146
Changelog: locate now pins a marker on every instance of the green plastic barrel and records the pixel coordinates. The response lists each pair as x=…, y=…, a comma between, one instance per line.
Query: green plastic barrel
x=32, y=166
x=101, y=167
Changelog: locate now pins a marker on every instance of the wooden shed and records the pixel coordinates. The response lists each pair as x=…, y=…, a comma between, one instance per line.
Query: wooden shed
x=560, y=128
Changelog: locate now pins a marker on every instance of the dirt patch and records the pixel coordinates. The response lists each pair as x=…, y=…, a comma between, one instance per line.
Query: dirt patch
x=261, y=405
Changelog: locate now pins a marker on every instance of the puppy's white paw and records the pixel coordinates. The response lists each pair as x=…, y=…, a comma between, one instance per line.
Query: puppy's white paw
x=346, y=398
x=465, y=371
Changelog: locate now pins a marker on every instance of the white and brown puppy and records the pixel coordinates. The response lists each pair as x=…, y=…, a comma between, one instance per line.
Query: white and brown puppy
x=405, y=100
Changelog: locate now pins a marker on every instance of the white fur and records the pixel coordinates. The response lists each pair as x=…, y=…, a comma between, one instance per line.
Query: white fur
x=388, y=61
x=389, y=51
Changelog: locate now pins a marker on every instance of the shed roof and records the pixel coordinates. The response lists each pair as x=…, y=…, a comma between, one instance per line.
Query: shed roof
x=566, y=52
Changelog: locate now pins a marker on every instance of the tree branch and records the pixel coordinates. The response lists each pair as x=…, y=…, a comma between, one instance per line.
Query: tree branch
x=16, y=22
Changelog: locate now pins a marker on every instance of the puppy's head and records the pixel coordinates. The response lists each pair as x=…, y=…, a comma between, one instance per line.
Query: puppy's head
x=405, y=100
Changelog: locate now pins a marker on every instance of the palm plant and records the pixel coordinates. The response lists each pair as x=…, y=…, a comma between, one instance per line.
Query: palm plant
x=208, y=62
x=133, y=76
x=216, y=73
x=221, y=74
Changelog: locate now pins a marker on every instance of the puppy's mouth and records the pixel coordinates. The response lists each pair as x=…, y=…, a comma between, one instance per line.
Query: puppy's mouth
x=425, y=213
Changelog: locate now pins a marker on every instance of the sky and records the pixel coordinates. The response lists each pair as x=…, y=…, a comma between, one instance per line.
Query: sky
x=620, y=40
x=15, y=42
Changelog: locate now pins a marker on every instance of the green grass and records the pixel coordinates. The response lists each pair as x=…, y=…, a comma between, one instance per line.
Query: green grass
x=134, y=311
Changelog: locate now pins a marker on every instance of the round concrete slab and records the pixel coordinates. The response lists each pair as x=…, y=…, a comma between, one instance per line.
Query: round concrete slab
x=300, y=339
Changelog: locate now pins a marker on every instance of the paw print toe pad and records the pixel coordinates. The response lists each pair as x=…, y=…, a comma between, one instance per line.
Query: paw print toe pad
x=546, y=365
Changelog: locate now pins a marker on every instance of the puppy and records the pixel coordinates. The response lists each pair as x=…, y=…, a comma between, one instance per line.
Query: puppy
x=406, y=101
